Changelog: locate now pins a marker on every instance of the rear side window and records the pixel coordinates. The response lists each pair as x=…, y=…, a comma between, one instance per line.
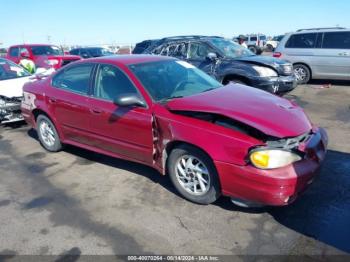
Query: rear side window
x=253, y=38
x=336, y=40
x=14, y=51
x=75, y=79
x=302, y=41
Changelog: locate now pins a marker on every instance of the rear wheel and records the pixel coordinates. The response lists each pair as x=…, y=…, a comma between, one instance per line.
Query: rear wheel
x=194, y=175
x=47, y=134
x=302, y=73
x=253, y=49
x=269, y=48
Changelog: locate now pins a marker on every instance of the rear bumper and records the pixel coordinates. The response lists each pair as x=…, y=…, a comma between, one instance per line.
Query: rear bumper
x=276, y=85
x=277, y=187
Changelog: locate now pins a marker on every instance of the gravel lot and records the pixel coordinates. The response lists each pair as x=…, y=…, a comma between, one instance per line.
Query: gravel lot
x=80, y=202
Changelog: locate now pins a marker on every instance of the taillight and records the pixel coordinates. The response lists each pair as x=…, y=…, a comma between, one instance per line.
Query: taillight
x=277, y=54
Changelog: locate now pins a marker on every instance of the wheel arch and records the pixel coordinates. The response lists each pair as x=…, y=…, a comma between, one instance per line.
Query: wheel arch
x=304, y=64
x=229, y=77
x=38, y=111
x=170, y=146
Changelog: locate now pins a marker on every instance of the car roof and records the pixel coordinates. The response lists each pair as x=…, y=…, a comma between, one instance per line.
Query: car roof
x=128, y=59
x=29, y=45
x=321, y=30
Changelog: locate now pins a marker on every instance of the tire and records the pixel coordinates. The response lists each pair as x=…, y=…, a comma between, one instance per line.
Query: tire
x=188, y=183
x=303, y=73
x=47, y=134
x=236, y=81
x=269, y=48
x=253, y=49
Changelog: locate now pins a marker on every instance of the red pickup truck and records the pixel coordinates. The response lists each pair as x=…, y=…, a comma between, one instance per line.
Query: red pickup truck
x=45, y=56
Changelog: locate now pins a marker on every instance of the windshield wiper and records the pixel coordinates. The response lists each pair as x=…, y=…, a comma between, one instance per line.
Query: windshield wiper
x=169, y=98
x=209, y=89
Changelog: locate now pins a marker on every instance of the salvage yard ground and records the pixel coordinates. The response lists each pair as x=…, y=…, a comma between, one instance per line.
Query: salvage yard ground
x=81, y=202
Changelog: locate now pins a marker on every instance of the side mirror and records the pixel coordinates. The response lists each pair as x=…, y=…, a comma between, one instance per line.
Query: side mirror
x=212, y=56
x=129, y=100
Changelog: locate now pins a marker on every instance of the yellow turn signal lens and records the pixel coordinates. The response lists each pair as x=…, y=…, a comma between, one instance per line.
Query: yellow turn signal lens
x=273, y=158
x=260, y=159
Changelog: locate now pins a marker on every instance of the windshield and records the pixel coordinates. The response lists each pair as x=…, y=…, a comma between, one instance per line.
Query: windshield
x=278, y=38
x=165, y=80
x=229, y=48
x=46, y=50
x=99, y=52
x=9, y=70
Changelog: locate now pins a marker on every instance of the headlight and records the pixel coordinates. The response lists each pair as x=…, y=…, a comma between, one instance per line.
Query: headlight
x=272, y=158
x=265, y=71
x=51, y=62
x=287, y=68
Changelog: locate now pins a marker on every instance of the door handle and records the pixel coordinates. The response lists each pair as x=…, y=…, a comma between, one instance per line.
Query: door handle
x=96, y=111
x=344, y=54
x=52, y=100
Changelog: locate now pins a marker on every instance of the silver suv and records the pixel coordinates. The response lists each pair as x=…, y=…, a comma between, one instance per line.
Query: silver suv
x=318, y=53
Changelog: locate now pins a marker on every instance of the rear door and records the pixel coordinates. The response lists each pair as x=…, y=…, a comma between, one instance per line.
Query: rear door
x=69, y=102
x=125, y=131
x=334, y=56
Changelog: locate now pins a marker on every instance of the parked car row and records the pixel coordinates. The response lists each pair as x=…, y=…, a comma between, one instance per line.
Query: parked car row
x=226, y=61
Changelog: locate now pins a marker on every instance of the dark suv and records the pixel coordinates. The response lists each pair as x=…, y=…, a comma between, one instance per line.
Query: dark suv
x=226, y=61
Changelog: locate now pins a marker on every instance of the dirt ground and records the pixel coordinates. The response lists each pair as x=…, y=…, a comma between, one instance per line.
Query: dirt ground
x=79, y=202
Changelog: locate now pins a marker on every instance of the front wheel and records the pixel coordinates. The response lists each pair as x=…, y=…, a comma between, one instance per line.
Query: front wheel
x=194, y=175
x=47, y=134
x=302, y=73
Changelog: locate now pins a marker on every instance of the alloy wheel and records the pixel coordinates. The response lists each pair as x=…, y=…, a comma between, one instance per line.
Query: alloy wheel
x=192, y=175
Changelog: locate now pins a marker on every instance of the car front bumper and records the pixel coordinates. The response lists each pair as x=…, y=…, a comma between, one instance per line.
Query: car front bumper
x=10, y=111
x=275, y=187
x=276, y=85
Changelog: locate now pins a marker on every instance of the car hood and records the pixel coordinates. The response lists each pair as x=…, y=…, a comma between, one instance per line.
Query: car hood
x=268, y=113
x=66, y=57
x=281, y=66
x=13, y=87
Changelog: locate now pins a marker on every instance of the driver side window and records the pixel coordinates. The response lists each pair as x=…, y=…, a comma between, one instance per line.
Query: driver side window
x=111, y=82
x=198, y=51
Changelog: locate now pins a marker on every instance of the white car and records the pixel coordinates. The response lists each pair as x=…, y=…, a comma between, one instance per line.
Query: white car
x=12, y=79
x=272, y=44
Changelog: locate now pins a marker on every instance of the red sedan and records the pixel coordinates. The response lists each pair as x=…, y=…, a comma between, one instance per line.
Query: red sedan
x=212, y=140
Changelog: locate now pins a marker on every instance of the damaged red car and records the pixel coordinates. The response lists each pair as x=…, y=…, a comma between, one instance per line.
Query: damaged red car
x=212, y=140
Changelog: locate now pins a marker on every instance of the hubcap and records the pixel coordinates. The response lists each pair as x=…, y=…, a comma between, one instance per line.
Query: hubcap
x=300, y=73
x=47, y=133
x=192, y=175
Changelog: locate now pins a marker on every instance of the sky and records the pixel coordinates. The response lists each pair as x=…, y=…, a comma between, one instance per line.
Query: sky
x=96, y=22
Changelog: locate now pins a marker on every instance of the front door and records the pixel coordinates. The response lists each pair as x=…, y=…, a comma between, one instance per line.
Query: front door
x=198, y=56
x=125, y=131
